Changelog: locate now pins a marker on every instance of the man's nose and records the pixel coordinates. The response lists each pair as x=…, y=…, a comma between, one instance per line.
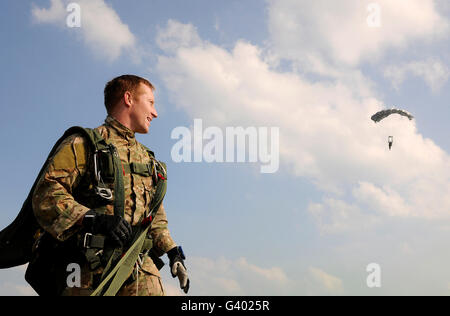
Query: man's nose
x=154, y=113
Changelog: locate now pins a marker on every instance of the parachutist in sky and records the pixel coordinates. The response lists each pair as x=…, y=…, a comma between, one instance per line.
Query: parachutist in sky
x=377, y=117
x=390, y=141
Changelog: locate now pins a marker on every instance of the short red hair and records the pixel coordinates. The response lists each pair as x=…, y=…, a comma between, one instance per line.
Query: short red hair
x=116, y=88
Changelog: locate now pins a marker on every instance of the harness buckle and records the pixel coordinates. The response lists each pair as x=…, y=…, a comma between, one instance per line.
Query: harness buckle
x=94, y=241
x=104, y=193
x=87, y=240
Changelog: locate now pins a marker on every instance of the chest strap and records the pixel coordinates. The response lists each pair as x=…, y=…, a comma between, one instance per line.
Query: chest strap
x=142, y=169
x=153, y=169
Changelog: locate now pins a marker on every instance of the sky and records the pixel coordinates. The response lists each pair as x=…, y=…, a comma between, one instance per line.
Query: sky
x=339, y=200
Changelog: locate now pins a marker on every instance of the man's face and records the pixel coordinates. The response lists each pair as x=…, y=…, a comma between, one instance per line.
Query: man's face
x=143, y=109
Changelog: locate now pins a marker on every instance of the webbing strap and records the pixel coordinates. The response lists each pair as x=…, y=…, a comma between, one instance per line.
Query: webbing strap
x=142, y=169
x=119, y=190
x=94, y=136
x=161, y=188
x=123, y=268
x=92, y=258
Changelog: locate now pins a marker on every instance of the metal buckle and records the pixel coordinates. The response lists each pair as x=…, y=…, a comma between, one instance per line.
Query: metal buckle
x=104, y=193
x=96, y=172
x=87, y=240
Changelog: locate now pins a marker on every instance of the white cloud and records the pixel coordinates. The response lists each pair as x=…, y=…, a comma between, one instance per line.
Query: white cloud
x=101, y=28
x=55, y=14
x=235, y=277
x=336, y=216
x=271, y=274
x=337, y=32
x=384, y=200
x=331, y=284
x=326, y=133
x=12, y=289
x=433, y=71
x=172, y=290
x=12, y=282
x=177, y=35
x=423, y=198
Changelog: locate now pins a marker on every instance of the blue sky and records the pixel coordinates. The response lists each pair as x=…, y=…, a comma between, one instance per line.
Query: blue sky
x=317, y=71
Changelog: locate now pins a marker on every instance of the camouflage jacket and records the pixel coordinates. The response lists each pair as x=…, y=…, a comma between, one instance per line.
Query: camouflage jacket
x=63, y=194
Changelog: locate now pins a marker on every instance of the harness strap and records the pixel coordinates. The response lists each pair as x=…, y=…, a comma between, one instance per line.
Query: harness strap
x=100, y=144
x=95, y=138
x=93, y=245
x=92, y=258
x=122, y=270
x=119, y=190
x=142, y=169
x=114, y=280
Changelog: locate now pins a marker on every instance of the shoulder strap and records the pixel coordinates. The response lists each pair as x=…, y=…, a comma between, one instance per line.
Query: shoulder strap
x=100, y=144
x=96, y=140
x=161, y=187
x=150, y=153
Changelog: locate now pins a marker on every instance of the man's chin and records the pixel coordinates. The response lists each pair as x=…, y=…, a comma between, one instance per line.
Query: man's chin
x=143, y=130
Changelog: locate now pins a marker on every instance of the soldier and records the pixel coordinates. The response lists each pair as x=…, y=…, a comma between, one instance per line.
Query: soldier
x=76, y=218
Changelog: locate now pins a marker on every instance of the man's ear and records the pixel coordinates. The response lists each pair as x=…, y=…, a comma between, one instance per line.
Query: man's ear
x=128, y=98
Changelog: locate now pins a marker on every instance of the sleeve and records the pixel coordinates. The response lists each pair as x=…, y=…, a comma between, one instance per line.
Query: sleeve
x=53, y=204
x=162, y=241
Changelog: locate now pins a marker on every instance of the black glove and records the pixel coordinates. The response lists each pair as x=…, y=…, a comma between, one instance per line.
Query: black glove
x=177, y=267
x=115, y=228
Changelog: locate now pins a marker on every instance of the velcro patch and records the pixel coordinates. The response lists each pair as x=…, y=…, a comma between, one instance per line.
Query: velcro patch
x=69, y=157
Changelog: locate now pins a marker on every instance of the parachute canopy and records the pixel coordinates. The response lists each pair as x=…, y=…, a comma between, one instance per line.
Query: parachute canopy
x=385, y=113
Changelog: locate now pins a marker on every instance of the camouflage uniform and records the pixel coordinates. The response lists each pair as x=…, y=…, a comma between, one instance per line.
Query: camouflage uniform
x=63, y=196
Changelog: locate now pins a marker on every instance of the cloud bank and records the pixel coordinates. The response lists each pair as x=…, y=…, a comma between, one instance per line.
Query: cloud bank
x=101, y=27
x=326, y=134
x=339, y=33
x=432, y=71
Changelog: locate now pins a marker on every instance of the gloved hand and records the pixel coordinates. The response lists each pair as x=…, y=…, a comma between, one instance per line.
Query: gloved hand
x=177, y=267
x=115, y=228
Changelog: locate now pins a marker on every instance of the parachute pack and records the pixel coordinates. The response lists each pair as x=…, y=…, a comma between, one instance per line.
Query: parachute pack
x=17, y=239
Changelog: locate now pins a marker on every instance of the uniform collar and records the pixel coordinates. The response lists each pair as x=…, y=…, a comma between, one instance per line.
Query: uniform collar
x=121, y=129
